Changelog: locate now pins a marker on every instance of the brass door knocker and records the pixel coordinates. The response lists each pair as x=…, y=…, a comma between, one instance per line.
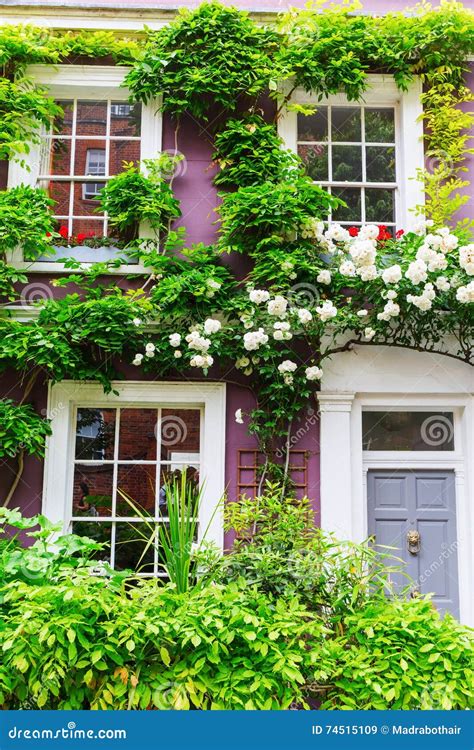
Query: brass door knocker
x=413, y=541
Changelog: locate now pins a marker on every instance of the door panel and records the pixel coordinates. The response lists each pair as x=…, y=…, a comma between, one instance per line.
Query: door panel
x=423, y=501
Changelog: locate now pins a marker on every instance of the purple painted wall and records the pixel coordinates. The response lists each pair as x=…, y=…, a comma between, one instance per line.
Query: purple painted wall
x=193, y=187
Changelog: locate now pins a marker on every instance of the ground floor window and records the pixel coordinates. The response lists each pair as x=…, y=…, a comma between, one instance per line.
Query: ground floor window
x=122, y=453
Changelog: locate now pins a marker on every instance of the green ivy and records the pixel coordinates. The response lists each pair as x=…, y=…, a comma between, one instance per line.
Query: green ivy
x=21, y=429
x=26, y=221
x=208, y=56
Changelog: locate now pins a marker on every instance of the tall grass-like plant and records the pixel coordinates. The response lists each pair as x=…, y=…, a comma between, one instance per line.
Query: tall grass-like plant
x=177, y=536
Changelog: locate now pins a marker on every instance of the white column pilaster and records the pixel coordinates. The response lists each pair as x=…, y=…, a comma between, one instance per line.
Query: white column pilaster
x=336, y=468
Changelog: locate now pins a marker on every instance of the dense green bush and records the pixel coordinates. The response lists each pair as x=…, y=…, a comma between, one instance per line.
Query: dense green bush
x=399, y=654
x=85, y=646
x=137, y=195
x=92, y=638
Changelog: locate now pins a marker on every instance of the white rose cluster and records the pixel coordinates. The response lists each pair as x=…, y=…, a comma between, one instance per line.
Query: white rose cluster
x=286, y=368
x=465, y=294
x=253, y=340
x=392, y=274
x=417, y=272
x=304, y=316
x=324, y=277
x=282, y=331
x=313, y=373
x=198, y=342
x=391, y=310
x=201, y=360
x=424, y=301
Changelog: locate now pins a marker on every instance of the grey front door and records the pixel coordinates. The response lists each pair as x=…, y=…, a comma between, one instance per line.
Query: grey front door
x=401, y=502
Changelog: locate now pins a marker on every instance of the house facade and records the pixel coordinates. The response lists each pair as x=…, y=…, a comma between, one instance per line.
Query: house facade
x=387, y=449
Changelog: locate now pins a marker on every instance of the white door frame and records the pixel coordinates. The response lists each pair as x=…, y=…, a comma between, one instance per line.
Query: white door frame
x=344, y=465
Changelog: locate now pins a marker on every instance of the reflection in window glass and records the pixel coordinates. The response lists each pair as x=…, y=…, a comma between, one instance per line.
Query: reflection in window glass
x=124, y=459
x=351, y=150
x=407, y=431
x=91, y=139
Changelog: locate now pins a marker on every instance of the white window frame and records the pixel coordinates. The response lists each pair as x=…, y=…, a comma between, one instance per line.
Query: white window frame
x=382, y=91
x=95, y=82
x=65, y=397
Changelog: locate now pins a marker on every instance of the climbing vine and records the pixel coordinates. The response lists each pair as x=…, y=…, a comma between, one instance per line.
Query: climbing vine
x=308, y=290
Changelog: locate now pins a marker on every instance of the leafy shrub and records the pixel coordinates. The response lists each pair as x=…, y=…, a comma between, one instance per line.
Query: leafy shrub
x=85, y=646
x=249, y=151
x=279, y=550
x=21, y=428
x=399, y=654
x=270, y=213
x=133, y=196
x=46, y=557
x=211, y=55
x=26, y=220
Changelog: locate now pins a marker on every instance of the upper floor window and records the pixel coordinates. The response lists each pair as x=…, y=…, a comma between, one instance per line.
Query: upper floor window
x=352, y=152
x=365, y=153
x=85, y=143
x=98, y=132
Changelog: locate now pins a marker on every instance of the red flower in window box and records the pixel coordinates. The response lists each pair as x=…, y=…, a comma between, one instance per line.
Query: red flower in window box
x=400, y=233
x=353, y=231
x=81, y=236
x=384, y=234
x=63, y=231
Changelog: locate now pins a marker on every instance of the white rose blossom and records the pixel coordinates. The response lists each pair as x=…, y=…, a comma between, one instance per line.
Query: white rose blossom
x=442, y=284
x=391, y=310
x=337, y=233
x=304, y=316
x=238, y=416
x=362, y=313
x=466, y=258
x=137, y=360
x=369, y=232
x=198, y=342
x=367, y=273
x=465, y=294
x=369, y=333
x=417, y=272
x=287, y=366
x=175, y=339
x=277, y=306
x=212, y=326
x=347, y=268
x=257, y=296
x=178, y=354
x=392, y=275
x=254, y=339
x=326, y=311
x=313, y=373
x=324, y=277
x=137, y=322
x=201, y=361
